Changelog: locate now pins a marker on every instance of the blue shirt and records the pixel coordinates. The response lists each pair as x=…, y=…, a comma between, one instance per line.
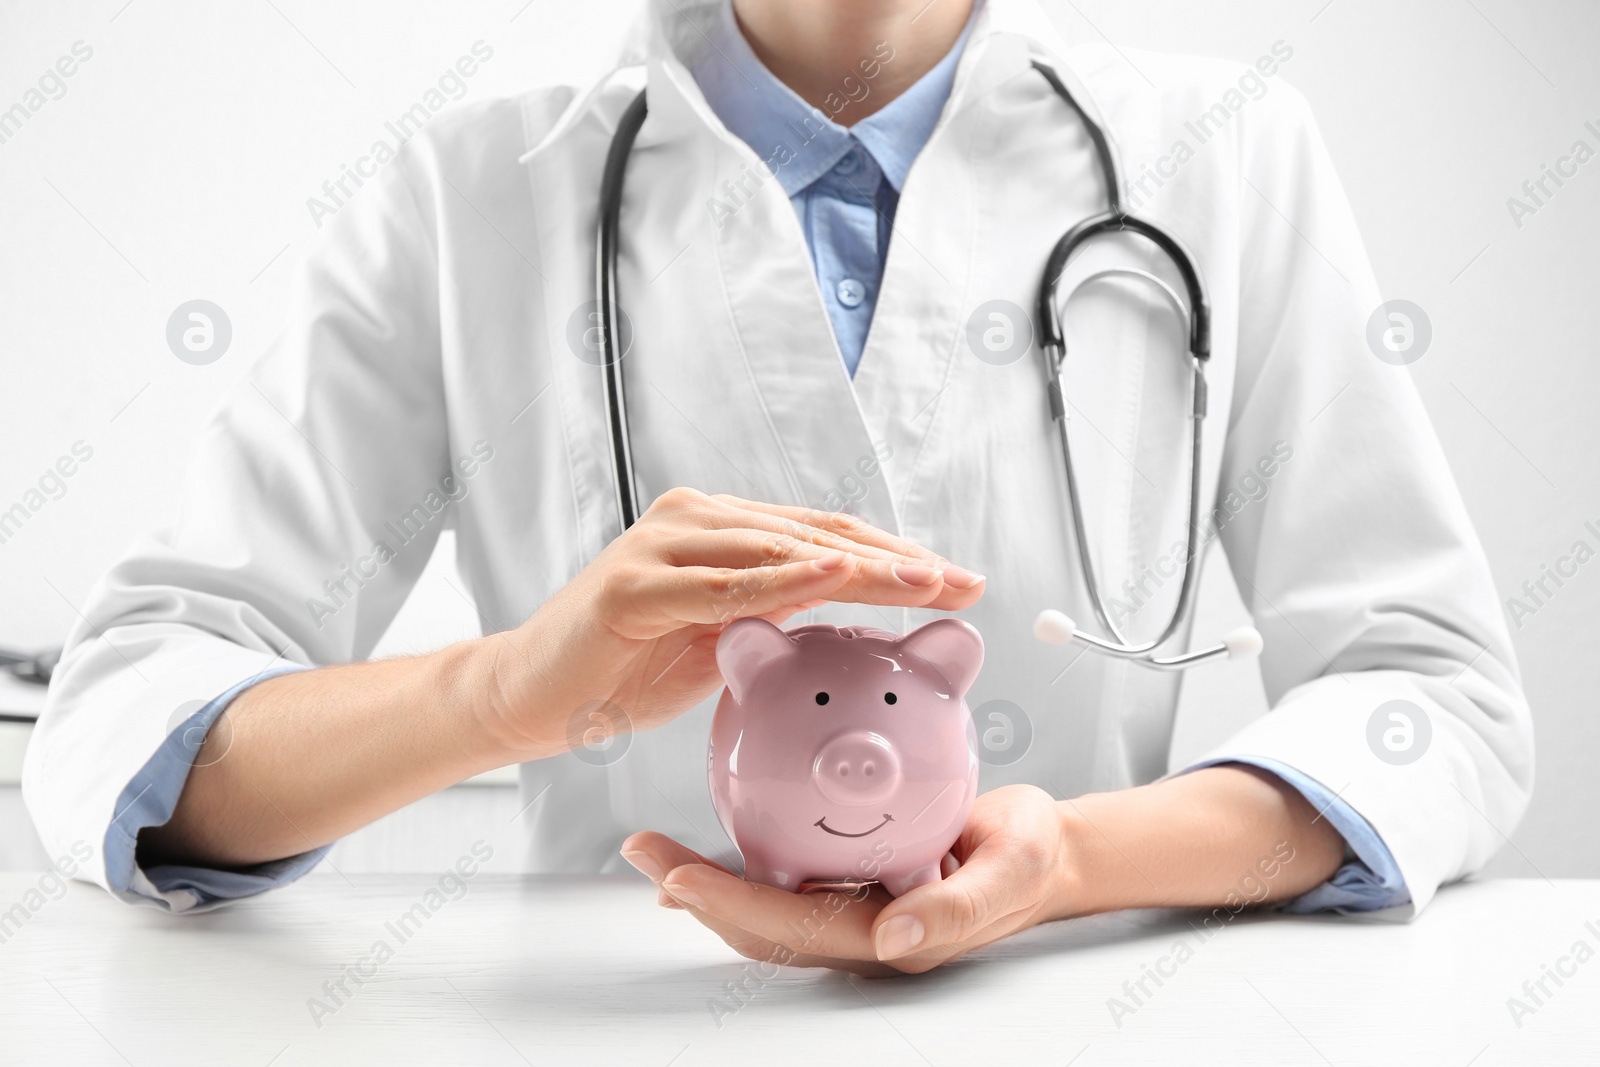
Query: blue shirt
x=845, y=185
x=844, y=182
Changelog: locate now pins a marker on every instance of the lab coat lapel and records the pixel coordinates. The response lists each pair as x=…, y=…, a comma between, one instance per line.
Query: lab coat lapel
x=781, y=337
x=733, y=380
x=729, y=324
x=910, y=360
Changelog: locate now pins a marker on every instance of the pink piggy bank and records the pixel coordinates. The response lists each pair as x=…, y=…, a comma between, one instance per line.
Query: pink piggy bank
x=845, y=754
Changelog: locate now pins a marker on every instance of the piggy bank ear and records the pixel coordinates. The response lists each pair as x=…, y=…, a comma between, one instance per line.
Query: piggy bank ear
x=745, y=649
x=950, y=645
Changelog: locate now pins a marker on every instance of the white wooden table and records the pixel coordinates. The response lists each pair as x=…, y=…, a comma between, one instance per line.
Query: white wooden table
x=589, y=970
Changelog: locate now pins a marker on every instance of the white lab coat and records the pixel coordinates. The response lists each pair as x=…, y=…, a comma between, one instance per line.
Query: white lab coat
x=434, y=314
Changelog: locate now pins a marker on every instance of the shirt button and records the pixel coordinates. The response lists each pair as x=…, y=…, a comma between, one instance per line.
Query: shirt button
x=848, y=165
x=851, y=293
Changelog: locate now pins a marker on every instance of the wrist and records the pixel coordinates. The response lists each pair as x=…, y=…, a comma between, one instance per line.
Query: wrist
x=1100, y=849
x=488, y=681
x=1193, y=840
x=1080, y=886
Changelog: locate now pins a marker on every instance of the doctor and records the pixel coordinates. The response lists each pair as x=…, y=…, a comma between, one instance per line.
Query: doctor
x=827, y=202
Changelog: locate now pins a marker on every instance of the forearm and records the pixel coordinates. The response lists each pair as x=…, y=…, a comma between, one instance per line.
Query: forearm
x=301, y=759
x=1215, y=836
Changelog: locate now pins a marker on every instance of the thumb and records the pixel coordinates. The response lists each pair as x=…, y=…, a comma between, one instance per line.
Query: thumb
x=948, y=912
x=1002, y=877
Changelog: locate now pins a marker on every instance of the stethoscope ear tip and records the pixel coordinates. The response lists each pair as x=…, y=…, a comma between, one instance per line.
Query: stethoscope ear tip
x=1243, y=643
x=1054, y=627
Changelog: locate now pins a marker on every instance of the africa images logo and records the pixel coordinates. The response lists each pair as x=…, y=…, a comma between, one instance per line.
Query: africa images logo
x=450, y=86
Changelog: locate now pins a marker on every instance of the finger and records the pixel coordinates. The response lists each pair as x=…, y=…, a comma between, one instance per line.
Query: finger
x=938, y=955
x=848, y=533
x=779, y=617
x=815, y=924
x=751, y=546
x=958, y=587
x=670, y=597
x=720, y=595
x=762, y=950
x=830, y=524
x=655, y=854
x=992, y=892
x=661, y=849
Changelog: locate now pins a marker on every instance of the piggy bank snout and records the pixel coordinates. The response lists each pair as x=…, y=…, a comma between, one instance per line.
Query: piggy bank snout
x=858, y=767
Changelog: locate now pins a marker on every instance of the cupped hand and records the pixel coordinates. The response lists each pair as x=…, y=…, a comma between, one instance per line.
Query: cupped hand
x=630, y=642
x=1010, y=869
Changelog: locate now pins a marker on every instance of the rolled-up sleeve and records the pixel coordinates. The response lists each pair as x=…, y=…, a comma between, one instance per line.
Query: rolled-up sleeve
x=1369, y=880
x=151, y=798
x=273, y=557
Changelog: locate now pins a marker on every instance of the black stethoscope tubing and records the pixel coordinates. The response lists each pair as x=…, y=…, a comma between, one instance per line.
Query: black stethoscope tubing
x=1115, y=219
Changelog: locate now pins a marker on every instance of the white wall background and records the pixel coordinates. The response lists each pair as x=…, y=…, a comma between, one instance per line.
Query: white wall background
x=179, y=160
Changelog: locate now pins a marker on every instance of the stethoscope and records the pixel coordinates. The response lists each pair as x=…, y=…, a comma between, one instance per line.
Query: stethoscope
x=1051, y=626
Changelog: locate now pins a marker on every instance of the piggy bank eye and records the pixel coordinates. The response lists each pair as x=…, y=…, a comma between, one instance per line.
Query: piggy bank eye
x=889, y=698
x=822, y=698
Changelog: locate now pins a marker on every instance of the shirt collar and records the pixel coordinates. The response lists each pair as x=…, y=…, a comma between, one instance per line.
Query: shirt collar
x=799, y=142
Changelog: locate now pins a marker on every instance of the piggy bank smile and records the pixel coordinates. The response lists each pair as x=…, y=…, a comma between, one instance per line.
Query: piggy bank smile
x=844, y=754
x=822, y=823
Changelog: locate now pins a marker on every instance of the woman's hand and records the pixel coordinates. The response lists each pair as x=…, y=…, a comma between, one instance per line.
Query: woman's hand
x=630, y=643
x=1225, y=838
x=1011, y=869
